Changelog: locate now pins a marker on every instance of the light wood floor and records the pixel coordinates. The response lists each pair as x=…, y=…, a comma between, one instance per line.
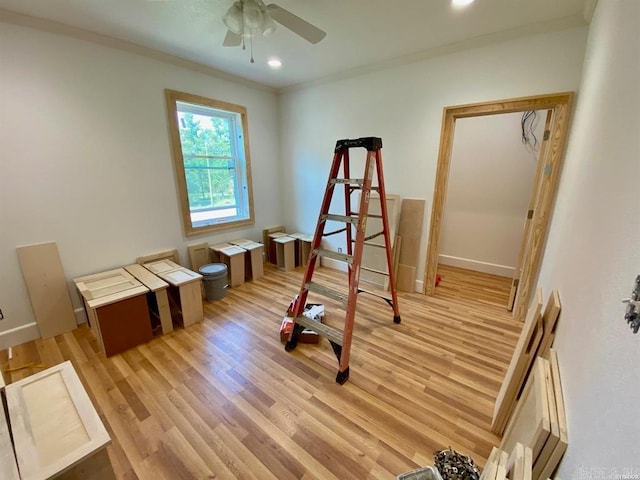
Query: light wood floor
x=222, y=399
x=490, y=290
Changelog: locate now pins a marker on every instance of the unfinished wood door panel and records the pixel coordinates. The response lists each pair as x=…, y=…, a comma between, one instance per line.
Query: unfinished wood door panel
x=105, y=283
x=523, y=356
x=54, y=424
x=198, y=255
x=164, y=255
x=549, y=323
x=161, y=266
x=530, y=423
x=375, y=257
x=47, y=288
x=8, y=467
x=563, y=441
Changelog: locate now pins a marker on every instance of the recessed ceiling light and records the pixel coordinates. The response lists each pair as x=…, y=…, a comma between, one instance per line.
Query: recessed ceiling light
x=461, y=3
x=274, y=63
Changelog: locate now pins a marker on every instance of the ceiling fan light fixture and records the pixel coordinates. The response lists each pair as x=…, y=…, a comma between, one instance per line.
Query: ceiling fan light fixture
x=233, y=19
x=252, y=14
x=268, y=25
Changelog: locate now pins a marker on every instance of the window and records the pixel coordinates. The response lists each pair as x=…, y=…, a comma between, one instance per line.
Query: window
x=211, y=159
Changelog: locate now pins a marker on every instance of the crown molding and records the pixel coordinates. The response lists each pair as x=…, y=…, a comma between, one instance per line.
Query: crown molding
x=564, y=23
x=49, y=26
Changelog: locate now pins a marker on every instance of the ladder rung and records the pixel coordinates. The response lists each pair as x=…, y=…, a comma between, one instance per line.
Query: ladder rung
x=379, y=295
x=370, y=215
x=342, y=257
x=373, y=270
x=339, y=218
x=327, y=292
x=376, y=189
x=348, y=181
x=332, y=334
x=371, y=244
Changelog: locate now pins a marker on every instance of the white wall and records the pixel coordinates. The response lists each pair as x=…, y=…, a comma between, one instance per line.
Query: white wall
x=86, y=159
x=490, y=183
x=403, y=105
x=593, y=255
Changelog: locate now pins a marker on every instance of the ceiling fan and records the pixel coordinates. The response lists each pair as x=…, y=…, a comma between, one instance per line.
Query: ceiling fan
x=246, y=18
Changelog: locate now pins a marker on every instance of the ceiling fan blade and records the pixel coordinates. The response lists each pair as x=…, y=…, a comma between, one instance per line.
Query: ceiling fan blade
x=294, y=23
x=232, y=39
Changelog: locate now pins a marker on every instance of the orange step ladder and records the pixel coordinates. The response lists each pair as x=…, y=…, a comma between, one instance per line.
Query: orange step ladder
x=341, y=339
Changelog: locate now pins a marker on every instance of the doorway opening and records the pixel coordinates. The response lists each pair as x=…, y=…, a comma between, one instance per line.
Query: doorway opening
x=542, y=195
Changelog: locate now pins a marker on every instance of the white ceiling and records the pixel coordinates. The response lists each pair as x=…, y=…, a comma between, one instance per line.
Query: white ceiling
x=360, y=33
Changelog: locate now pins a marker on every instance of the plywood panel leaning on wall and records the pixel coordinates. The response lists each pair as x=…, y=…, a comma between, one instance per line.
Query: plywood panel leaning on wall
x=47, y=288
x=523, y=357
x=410, y=230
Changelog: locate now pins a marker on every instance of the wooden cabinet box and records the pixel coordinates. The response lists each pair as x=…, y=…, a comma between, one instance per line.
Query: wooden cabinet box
x=56, y=430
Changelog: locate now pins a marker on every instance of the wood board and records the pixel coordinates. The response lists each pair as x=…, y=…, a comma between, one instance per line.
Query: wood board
x=549, y=323
x=410, y=229
x=47, y=288
x=554, y=435
x=491, y=467
x=55, y=426
x=522, y=358
x=530, y=423
x=372, y=256
x=198, y=255
x=563, y=441
x=520, y=463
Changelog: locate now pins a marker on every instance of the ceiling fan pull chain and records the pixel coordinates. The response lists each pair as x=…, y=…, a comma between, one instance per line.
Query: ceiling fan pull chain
x=251, y=40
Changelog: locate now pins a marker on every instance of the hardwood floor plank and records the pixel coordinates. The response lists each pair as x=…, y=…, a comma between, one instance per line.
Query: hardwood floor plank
x=222, y=399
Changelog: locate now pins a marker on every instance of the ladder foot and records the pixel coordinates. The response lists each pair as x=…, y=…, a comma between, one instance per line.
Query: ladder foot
x=396, y=319
x=290, y=345
x=342, y=376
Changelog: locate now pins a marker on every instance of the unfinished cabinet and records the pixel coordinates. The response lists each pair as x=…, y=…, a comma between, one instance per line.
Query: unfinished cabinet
x=233, y=257
x=186, y=287
x=56, y=430
x=116, y=307
x=159, y=301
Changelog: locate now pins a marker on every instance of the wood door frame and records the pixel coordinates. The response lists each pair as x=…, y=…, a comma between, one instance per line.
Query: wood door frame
x=560, y=104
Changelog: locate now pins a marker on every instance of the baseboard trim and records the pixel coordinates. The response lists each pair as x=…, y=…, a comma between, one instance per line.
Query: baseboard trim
x=81, y=316
x=19, y=335
x=476, y=265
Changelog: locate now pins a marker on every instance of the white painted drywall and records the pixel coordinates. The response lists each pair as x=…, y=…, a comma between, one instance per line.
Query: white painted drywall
x=490, y=183
x=403, y=105
x=86, y=160
x=593, y=255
